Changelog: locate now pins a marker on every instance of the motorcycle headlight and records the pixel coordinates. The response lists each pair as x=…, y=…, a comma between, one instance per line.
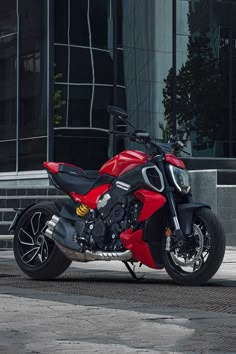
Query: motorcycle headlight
x=181, y=179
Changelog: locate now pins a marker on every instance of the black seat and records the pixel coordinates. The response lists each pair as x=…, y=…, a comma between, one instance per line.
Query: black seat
x=73, y=179
x=117, y=112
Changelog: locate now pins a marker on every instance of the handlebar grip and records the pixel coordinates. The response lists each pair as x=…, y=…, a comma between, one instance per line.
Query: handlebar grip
x=117, y=132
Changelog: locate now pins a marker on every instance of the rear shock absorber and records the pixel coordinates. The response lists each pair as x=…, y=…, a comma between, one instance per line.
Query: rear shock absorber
x=82, y=210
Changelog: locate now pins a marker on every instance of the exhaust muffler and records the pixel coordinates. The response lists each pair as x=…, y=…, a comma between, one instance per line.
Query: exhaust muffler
x=63, y=233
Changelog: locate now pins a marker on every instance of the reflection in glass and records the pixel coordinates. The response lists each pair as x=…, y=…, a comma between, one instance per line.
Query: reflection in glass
x=120, y=67
x=60, y=105
x=33, y=69
x=8, y=87
x=33, y=84
x=8, y=156
x=87, y=148
x=61, y=21
x=103, y=67
x=79, y=106
x=80, y=65
x=61, y=63
x=79, y=30
x=32, y=153
x=203, y=79
x=147, y=58
x=7, y=17
x=98, y=16
x=102, y=98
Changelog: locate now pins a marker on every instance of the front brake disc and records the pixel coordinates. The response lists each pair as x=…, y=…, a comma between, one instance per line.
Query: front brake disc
x=190, y=262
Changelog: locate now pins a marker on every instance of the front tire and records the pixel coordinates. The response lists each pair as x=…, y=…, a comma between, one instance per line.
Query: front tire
x=201, y=257
x=36, y=255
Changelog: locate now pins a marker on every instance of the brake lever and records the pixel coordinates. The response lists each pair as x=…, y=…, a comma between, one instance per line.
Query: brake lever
x=186, y=152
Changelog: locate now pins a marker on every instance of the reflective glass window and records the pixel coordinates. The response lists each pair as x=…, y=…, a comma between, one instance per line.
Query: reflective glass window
x=206, y=89
x=145, y=61
x=61, y=21
x=79, y=29
x=60, y=97
x=79, y=106
x=102, y=98
x=103, y=67
x=80, y=65
x=8, y=156
x=33, y=82
x=87, y=148
x=99, y=22
x=32, y=154
x=7, y=17
x=8, y=87
x=61, y=63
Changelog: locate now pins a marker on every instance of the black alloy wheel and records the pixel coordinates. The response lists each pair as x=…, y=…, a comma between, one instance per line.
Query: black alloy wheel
x=200, y=258
x=37, y=255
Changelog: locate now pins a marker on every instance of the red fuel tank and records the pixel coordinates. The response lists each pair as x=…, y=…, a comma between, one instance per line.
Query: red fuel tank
x=123, y=162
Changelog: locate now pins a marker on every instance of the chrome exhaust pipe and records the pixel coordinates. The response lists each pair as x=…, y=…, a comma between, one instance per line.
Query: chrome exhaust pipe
x=89, y=256
x=51, y=226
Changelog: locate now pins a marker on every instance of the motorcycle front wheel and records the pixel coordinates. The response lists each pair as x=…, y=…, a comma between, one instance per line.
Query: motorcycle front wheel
x=37, y=255
x=199, y=259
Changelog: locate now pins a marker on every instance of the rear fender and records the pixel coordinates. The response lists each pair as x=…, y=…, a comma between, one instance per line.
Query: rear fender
x=19, y=213
x=185, y=215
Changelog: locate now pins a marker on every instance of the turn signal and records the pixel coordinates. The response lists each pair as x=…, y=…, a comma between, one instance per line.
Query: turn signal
x=168, y=232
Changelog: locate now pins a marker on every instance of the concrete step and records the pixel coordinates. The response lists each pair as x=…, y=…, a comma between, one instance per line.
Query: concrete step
x=6, y=244
x=23, y=191
x=6, y=239
x=22, y=201
x=11, y=198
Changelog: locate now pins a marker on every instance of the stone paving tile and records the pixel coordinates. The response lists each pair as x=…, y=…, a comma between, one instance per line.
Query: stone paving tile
x=35, y=321
x=38, y=326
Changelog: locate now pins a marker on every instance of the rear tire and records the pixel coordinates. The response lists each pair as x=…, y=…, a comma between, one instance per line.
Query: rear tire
x=36, y=255
x=209, y=252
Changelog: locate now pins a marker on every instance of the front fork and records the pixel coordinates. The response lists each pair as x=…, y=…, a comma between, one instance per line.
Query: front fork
x=182, y=216
x=179, y=235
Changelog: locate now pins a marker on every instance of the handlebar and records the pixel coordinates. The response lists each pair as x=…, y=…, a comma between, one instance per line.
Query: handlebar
x=143, y=137
x=175, y=145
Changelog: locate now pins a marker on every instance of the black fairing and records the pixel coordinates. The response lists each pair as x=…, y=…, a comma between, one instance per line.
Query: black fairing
x=185, y=215
x=154, y=230
x=134, y=177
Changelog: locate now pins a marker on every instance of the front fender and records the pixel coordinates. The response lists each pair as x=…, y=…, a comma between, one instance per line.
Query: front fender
x=185, y=215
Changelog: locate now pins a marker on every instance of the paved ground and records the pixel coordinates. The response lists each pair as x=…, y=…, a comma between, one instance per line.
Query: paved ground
x=98, y=308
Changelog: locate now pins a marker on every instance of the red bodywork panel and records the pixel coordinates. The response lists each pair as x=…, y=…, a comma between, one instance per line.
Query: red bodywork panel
x=173, y=160
x=53, y=167
x=90, y=199
x=152, y=201
x=133, y=241
x=123, y=162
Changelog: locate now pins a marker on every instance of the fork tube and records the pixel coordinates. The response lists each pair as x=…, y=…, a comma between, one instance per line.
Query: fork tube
x=171, y=202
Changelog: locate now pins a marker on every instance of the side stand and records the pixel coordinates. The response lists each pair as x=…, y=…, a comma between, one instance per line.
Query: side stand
x=132, y=272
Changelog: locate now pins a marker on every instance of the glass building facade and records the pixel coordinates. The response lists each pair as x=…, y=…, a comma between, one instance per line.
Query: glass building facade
x=169, y=63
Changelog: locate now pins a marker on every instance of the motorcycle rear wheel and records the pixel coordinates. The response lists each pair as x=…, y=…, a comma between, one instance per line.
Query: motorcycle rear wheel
x=36, y=255
x=197, y=264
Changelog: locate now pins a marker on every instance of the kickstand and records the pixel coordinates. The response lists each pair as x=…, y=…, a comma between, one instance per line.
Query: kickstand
x=133, y=274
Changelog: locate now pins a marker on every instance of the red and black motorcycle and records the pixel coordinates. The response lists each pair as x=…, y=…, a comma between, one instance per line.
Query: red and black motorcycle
x=138, y=209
